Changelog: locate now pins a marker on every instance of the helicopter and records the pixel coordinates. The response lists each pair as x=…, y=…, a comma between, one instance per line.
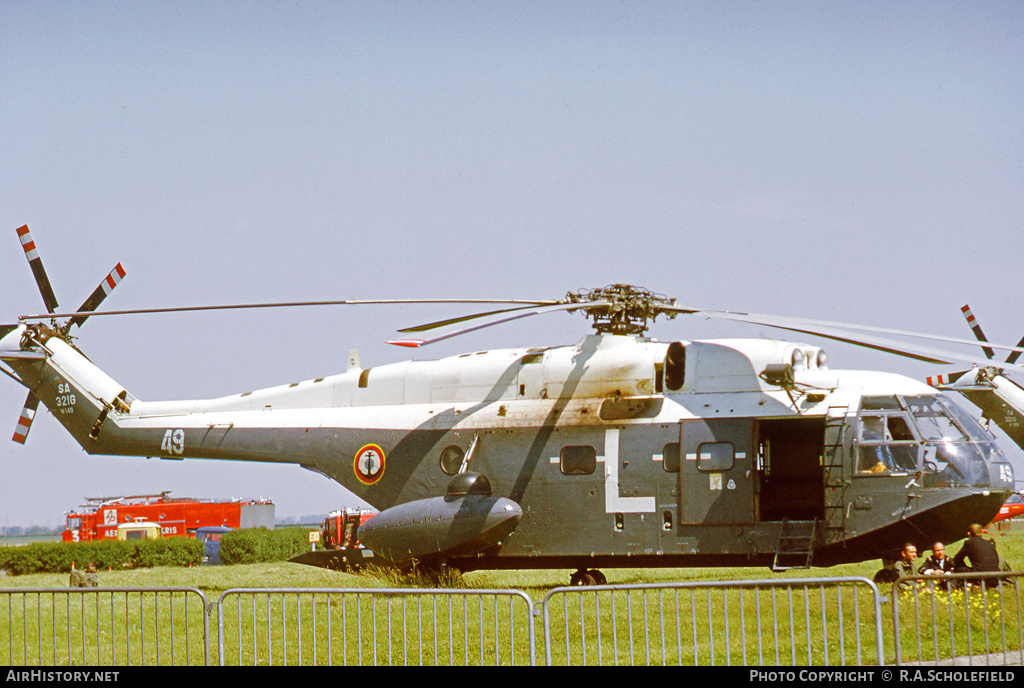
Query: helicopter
x=617, y=451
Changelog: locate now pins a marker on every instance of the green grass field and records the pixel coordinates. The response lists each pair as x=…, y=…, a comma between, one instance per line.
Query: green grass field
x=823, y=625
x=213, y=580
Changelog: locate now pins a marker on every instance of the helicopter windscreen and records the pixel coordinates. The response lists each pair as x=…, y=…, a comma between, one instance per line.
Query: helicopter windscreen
x=957, y=448
x=947, y=444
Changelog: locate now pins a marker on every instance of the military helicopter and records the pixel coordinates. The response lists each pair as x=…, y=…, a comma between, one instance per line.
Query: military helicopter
x=617, y=451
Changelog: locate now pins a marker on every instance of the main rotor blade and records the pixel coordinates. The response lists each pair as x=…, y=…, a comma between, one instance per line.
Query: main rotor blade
x=25, y=419
x=101, y=292
x=519, y=313
x=809, y=325
x=976, y=328
x=286, y=304
x=36, y=263
x=837, y=332
x=464, y=318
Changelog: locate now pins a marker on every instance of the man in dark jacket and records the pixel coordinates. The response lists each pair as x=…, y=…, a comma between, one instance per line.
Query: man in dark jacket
x=938, y=564
x=979, y=551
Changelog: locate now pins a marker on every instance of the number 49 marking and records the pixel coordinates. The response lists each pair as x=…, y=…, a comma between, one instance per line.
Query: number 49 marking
x=174, y=442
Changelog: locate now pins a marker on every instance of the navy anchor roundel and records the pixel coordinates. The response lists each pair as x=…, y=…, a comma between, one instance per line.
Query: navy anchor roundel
x=369, y=464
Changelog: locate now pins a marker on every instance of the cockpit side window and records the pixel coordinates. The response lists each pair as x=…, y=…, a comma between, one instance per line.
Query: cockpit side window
x=886, y=444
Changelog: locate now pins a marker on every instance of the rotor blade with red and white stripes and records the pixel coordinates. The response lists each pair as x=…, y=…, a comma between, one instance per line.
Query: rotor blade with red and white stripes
x=36, y=263
x=976, y=328
x=25, y=419
x=101, y=292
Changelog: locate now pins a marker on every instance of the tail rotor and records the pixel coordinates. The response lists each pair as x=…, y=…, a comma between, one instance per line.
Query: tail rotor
x=1000, y=399
x=97, y=297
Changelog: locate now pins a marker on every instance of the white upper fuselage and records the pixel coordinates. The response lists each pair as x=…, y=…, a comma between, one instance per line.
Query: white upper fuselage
x=723, y=374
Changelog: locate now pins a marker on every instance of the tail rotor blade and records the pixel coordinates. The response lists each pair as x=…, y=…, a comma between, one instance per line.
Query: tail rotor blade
x=36, y=263
x=945, y=378
x=976, y=328
x=97, y=297
x=25, y=420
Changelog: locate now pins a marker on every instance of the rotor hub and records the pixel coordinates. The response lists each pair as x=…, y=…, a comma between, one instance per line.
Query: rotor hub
x=622, y=308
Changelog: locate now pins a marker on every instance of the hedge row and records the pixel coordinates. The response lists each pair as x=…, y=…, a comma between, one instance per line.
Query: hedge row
x=57, y=557
x=254, y=545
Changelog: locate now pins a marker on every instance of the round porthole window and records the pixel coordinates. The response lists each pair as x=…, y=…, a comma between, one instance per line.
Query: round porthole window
x=451, y=459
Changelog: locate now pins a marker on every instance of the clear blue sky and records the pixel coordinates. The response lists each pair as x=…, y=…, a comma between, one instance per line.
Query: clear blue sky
x=856, y=161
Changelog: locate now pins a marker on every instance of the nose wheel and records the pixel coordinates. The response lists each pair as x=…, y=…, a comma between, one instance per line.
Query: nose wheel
x=587, y=577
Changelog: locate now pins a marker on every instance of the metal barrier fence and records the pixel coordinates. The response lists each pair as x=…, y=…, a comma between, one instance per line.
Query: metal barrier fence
x=104, y=626
x=964, y=619
x=815, y=621
x=961, y=619
x=361, y=626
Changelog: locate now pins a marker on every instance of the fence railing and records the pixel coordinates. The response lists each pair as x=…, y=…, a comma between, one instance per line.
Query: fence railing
x=360, y=626
x=104, y=627
x=975, y=619
x=815, y=621
x=970, y=619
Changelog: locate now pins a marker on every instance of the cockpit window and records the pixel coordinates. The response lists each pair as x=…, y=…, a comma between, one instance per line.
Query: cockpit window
x=938, y=438
x=886, y=444
x=933, y=421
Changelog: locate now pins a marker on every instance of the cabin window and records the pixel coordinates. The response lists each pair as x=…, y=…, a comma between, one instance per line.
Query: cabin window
x=364, y=378
x=579, y=460
x=451, y=459
x=715, y=456
x=670, y=457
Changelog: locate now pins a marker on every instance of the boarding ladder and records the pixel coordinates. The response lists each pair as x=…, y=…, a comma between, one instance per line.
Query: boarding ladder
x=796, y=545
x=833, y=477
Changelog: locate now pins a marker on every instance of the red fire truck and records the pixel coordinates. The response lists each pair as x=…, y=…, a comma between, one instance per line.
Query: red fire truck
x=99, y=517
x=339, y=531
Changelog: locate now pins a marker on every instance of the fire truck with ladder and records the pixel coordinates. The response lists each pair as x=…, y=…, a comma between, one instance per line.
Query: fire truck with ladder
x=99, y=517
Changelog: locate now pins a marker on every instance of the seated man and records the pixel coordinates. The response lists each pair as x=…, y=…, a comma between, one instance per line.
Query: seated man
x=980, y=552
x=938, y=564
x=85, y=579
x=905, y=566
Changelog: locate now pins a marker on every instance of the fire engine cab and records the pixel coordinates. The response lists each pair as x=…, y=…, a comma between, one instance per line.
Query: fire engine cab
x=99, y=517
x=340, y=528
